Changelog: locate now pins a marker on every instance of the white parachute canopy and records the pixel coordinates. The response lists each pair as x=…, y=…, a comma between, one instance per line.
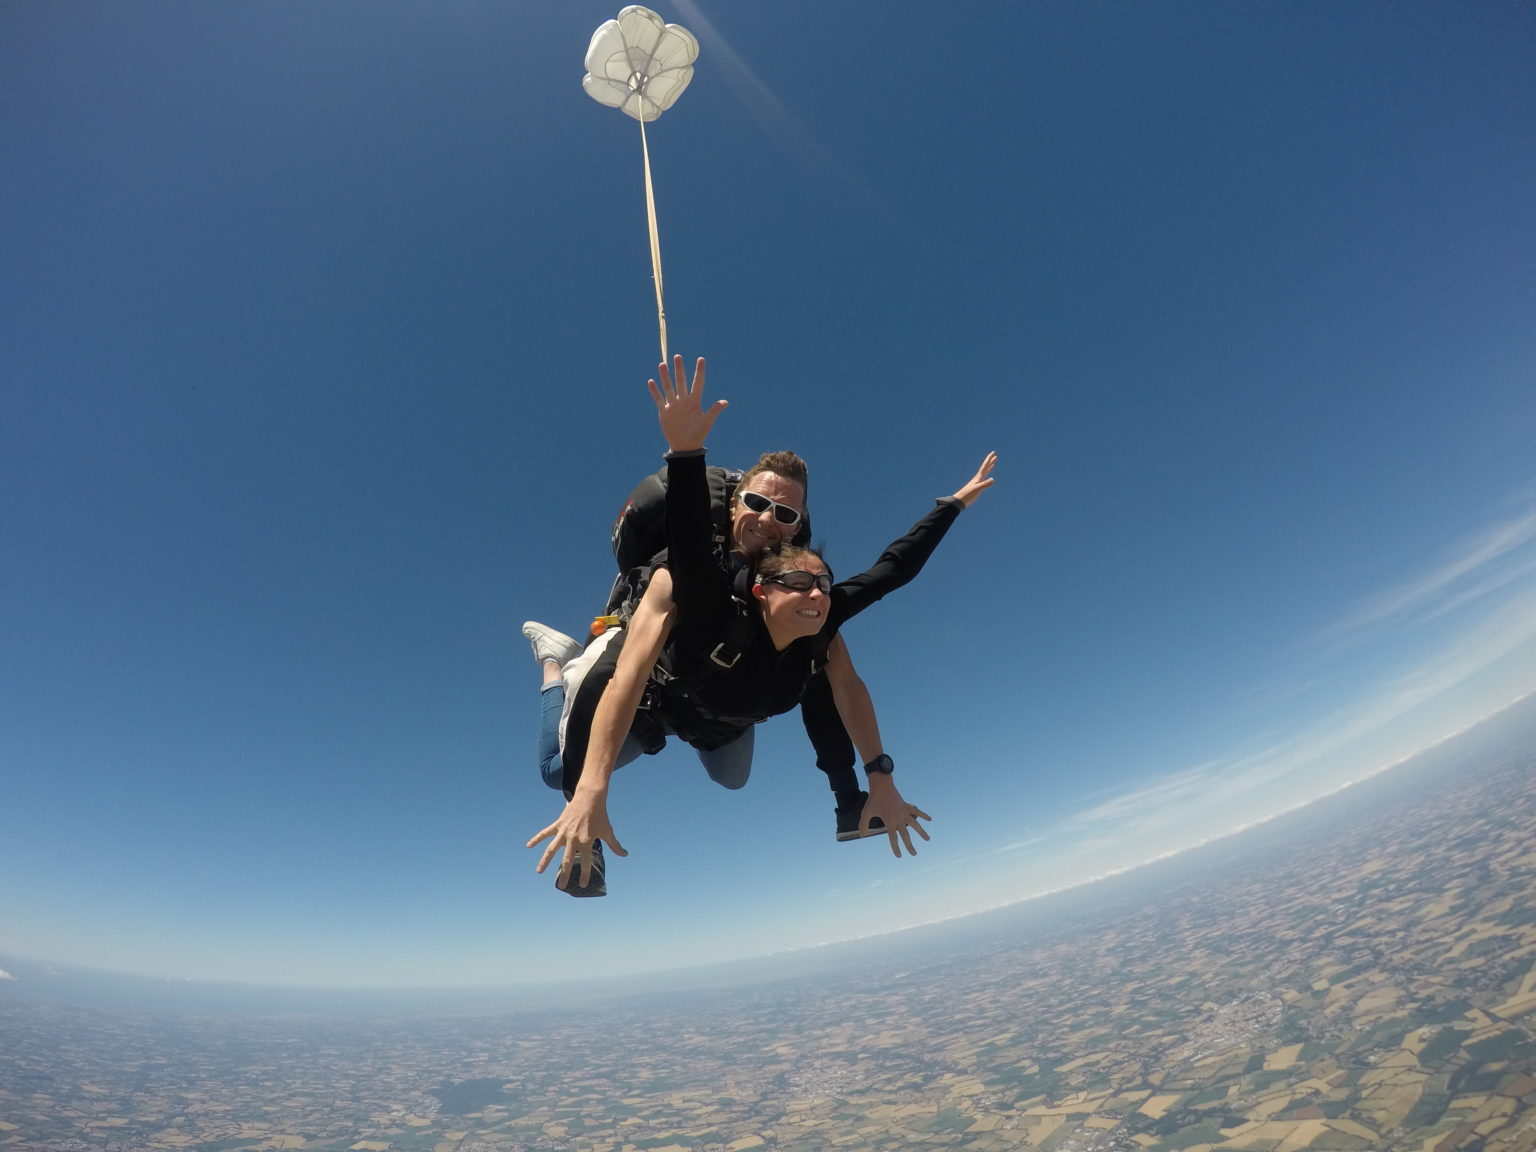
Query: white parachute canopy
x=639, y=64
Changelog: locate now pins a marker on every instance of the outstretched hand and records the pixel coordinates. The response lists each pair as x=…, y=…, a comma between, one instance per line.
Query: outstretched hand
x=680, y=406
x=583, y=821
x=978, y=483
x=900, y=818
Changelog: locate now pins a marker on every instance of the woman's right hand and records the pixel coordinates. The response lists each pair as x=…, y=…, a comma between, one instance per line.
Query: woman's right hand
x=680, y=406
x=977, y=484
x=584, y=820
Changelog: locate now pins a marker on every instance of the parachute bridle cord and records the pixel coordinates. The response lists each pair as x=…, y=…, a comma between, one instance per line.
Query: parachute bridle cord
x=650, y=218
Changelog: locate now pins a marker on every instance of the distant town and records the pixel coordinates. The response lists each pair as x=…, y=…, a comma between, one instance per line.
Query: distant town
x=1365, y=982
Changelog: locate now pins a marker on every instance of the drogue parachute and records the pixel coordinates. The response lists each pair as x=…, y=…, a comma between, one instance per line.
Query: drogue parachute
x=640, y=64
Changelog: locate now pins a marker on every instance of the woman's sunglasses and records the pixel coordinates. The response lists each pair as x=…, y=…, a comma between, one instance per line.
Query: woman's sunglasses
x=757, y=502
x=798, y=581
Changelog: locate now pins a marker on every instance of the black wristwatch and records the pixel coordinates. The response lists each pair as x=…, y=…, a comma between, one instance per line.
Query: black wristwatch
x=880, y=765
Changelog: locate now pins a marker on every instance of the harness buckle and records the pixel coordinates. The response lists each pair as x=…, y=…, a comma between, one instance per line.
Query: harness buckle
x=724, y=663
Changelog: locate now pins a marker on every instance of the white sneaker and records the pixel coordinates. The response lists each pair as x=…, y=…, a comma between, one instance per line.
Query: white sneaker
x=549, y=644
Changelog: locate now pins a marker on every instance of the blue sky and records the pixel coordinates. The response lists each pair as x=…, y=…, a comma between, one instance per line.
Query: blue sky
x=326, y=332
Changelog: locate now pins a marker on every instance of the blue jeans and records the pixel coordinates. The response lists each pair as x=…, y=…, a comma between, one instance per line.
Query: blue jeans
x=729, y=765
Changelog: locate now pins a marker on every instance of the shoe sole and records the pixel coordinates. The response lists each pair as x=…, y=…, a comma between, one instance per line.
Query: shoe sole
x=857, y=835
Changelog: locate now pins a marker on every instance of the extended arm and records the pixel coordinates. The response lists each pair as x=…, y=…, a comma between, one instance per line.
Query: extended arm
x=854, y=704
x=585, y=817
x=903, y=559
x=858, y=712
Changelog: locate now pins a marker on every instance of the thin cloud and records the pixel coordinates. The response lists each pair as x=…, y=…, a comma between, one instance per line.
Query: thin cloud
x=1509, y=574
x=1473, y=562
x=1495, y=636
x=1336, y=750
x=1177, y=788
x=1373, y=731
x=1498, y=559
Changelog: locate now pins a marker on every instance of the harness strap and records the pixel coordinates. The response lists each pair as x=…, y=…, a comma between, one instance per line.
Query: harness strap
x=738, y=634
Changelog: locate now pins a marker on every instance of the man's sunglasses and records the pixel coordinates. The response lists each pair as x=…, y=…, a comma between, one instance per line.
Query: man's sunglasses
x=757, y=502
x=798, y=581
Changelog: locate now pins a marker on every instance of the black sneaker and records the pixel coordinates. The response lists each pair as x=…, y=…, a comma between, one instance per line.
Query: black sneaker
x=595, y=885
x=848, y=820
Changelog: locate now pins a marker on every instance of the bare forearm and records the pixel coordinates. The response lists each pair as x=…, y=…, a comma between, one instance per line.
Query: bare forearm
x=854, y=703
x=615, y=712
x=610, y=724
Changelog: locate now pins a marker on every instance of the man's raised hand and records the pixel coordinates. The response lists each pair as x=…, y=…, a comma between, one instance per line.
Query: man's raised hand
x=680, y=406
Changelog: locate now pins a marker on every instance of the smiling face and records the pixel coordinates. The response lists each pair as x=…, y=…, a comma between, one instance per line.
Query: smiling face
x=752, y=533
x=790, y=615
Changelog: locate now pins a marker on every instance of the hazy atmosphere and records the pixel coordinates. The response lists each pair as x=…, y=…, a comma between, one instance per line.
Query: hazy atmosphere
x=323, y=367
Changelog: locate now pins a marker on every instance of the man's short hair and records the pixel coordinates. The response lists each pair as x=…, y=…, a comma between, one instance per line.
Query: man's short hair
x=785, y=464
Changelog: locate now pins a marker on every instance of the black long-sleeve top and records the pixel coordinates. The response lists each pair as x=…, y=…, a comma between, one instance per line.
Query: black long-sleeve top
x=709, y=704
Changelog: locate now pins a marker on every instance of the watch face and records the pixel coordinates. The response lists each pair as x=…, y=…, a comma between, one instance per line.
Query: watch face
x=881, y=763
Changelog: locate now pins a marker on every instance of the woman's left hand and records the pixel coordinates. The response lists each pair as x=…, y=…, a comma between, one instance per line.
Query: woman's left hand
x=680, y=406
x=900, y=818
x=978, y=483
